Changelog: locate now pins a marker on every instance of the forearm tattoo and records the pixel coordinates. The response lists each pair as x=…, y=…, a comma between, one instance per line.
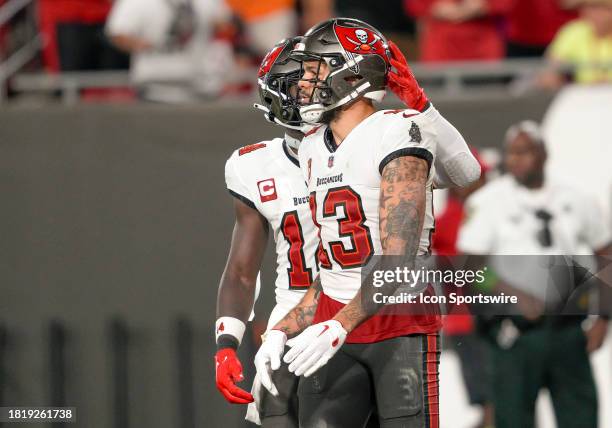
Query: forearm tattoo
x=301, y=316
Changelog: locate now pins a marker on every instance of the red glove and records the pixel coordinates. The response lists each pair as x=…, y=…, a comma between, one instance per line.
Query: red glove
x=403, y=83
x=228, y=372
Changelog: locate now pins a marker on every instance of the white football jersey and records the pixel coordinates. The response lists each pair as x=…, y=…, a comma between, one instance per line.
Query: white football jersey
x=502, y=218
x=505, y=218
x=344, y=187
x=267, y=177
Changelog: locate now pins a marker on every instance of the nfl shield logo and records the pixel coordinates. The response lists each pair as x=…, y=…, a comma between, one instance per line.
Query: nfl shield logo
x=330, y=162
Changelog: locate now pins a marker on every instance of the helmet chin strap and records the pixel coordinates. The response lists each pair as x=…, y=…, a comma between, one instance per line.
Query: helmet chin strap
x=376, y=96
x=266, y=110
x=313, y=113
x=304, y=127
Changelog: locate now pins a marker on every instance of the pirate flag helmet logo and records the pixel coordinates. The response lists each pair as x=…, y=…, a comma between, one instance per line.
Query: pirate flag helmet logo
x=361, y=41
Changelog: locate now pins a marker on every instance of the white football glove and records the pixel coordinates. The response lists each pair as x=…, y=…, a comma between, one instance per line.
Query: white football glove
x=313, y=348
x=268, y=358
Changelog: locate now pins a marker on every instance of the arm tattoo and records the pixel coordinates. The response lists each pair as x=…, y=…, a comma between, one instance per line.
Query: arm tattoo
x=401, y=214
x=400, y=220
x=402, y=205
x=301, y=316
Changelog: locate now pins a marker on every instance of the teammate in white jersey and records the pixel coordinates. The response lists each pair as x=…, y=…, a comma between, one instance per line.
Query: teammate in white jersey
x=370, y=179
x=270, y=194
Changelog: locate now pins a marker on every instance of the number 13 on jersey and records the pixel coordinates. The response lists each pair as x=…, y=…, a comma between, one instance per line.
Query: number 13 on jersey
x=350, y=224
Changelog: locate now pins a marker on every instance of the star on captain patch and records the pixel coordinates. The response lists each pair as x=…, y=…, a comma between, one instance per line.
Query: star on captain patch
x=415, y=133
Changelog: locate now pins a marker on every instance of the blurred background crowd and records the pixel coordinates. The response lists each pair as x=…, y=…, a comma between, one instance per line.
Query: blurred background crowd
x=181, y=50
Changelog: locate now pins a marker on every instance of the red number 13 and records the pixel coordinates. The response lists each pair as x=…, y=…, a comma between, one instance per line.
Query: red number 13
x=352, y=226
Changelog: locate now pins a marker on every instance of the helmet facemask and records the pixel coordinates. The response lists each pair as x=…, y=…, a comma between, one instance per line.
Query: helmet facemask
x=278, y=86
x=278, y=94
x=314, y=95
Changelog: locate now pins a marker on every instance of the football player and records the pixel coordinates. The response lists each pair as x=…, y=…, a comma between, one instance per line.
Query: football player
x=270, y=195
x=370, y=178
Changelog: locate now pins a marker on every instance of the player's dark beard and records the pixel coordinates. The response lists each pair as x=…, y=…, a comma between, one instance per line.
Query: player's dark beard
x=329, y=116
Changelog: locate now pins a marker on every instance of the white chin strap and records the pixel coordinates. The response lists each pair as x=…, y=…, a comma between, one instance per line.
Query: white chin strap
x=313, y=113
x=376, y=96
x=304, y=127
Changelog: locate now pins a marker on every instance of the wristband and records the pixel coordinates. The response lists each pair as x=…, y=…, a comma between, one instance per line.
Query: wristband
x=229, y=326
x=226, y=341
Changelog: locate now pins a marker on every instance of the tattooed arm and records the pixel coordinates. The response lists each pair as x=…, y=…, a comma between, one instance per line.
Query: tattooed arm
x=401, y=214
x=302, y=314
